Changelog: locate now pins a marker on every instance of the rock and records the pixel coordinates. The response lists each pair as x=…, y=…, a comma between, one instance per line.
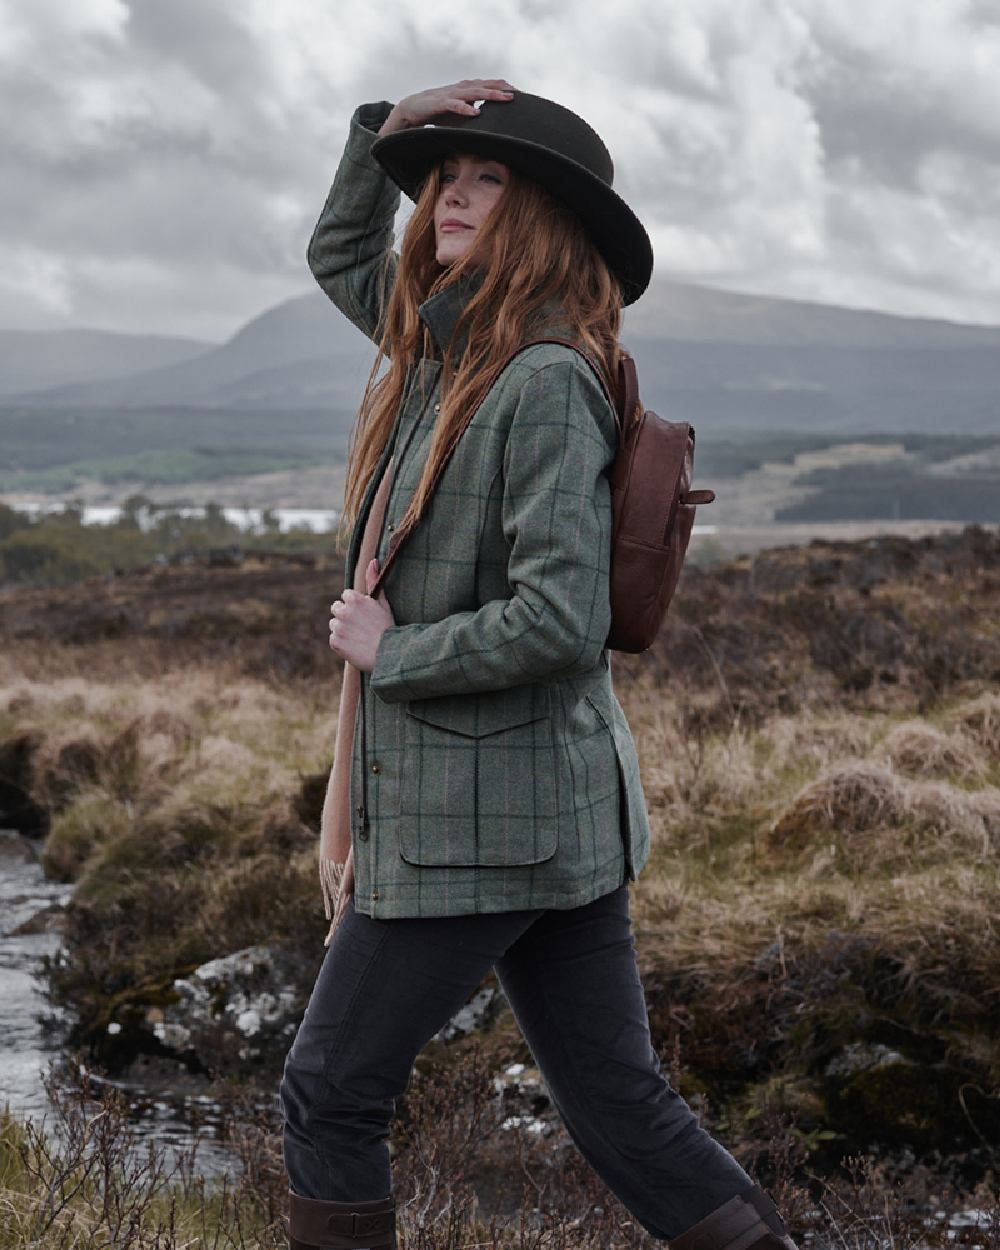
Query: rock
x=524, y=1100
x=234, y=1012
x=240, y=1012
x=14, y=846
x=875, y=1094
x=48, y=920
x=479, y=1011
x=862, y=1057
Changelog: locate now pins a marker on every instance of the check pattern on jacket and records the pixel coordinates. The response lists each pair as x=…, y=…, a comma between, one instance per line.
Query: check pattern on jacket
x=499, y=767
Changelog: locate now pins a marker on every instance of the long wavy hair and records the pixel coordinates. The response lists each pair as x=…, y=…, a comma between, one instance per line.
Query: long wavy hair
x=539, y=268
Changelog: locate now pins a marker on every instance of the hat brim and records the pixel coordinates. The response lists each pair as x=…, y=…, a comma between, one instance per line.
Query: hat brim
x=408, y=156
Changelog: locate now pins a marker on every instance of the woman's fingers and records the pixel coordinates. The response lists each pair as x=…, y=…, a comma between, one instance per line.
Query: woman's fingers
x=456, y=97
x=464, y=93
x=493, y=84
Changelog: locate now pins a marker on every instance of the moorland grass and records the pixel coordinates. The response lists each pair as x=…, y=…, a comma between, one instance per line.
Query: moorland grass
x=820, y=751
x=190, y=821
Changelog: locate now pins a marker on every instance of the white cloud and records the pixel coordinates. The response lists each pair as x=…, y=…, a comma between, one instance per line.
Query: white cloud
x=164, y=163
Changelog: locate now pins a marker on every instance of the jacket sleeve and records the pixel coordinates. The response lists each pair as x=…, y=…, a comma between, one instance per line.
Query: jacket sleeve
x=350, y=251
x=556, y=515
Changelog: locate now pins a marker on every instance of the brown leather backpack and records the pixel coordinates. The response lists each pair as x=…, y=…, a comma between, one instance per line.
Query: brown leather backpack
x=652, y=507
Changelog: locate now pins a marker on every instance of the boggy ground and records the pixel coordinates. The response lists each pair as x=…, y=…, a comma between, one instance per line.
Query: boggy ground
x=819, y=732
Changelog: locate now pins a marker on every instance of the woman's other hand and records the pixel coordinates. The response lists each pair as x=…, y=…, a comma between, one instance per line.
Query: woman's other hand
x=357, y=623
x=420, y=107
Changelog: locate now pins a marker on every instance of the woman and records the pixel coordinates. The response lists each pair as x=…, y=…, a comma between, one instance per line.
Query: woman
x=485, y=808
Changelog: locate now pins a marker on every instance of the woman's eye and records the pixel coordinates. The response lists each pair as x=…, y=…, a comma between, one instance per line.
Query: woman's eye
x=492, y=178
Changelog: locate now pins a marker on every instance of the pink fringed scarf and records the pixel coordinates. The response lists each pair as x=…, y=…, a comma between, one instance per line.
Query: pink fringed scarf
x=335, y=832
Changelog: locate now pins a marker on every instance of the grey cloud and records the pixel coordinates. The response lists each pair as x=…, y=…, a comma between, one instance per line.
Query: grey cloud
x=166, y=172
x=888, y=126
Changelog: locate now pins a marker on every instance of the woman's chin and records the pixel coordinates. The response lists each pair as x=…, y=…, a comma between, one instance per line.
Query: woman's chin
x=450, y=251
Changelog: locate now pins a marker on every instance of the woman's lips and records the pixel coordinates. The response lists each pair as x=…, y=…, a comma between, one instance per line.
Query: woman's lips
x=450, y=225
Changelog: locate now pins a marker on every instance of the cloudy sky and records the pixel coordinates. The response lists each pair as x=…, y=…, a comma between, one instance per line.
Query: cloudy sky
x=162, y=162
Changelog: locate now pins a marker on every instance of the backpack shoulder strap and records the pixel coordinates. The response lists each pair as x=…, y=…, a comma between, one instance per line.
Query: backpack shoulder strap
x=624, y=410
x=626, y=406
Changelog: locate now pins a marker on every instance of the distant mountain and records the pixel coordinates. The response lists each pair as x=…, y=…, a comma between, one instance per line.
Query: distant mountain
x=32, y=360
x=302, y=353
x=689, y=313
x=738, y=361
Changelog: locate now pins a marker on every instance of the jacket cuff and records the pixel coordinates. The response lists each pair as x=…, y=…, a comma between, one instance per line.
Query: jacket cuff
x=363, y=131
x=386, y=676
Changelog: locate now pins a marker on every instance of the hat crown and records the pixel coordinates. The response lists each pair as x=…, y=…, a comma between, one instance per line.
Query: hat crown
x=535, y=120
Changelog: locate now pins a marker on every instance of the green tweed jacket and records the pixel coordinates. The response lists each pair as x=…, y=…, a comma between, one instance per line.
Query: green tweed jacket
x=496, y=770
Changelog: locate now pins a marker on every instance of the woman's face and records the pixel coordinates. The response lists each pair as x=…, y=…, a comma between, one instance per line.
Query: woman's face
x=470, y=186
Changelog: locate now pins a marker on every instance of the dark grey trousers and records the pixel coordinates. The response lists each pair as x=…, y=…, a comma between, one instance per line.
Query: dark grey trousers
x=386, y=986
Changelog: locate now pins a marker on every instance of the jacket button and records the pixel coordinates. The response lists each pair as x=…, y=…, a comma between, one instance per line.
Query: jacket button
x=363, y=834
x=390, y=527
x=376, y=766
x=437, y=407
x=374, y=896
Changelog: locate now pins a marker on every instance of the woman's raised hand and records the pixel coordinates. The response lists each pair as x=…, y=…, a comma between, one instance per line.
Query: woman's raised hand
x=459, y=97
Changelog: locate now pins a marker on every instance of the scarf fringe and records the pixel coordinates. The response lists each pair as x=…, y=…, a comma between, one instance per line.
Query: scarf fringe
x=331, y=875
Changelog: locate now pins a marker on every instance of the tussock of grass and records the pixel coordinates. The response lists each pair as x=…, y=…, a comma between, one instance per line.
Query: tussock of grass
x=79, y=829
x=980, y=718
x=860, y=798
x=921, y=749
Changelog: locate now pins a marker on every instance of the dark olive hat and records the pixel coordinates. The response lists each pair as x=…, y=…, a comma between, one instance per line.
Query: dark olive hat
x=548, y=143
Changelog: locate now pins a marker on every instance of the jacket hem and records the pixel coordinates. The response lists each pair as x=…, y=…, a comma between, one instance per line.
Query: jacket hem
x=406, y=903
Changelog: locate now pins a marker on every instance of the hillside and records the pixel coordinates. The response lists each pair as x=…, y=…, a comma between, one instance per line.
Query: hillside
x=739, y=362
x=32, y=360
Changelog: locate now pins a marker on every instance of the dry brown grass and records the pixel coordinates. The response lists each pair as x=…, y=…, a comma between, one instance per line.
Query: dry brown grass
x=980, y=718
x=918, y=749
x=848, y=799
x=824, y=855
x=196, y=734
x=858, y=802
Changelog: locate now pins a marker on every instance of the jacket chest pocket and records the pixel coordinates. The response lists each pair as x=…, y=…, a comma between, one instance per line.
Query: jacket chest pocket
x=478, y=785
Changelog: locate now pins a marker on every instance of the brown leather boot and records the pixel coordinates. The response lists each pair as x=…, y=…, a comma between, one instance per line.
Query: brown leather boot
x=749, y=1222
x=341, y=1225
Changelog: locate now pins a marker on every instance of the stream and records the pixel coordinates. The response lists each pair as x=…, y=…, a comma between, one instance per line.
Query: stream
x=28, y=906
x=32, y=1031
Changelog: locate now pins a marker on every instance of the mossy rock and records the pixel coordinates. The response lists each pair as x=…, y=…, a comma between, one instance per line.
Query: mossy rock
x=899, y=1102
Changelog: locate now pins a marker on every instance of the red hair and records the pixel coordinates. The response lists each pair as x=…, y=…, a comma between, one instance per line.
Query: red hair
x=538, y=265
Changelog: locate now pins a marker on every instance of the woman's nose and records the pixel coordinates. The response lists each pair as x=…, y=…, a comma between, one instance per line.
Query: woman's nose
x=456, y=192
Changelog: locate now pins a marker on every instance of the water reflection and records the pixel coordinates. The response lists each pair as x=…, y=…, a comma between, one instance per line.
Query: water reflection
x=179, y=1113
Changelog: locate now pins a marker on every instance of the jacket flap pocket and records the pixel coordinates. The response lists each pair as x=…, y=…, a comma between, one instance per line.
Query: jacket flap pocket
x=477, y=715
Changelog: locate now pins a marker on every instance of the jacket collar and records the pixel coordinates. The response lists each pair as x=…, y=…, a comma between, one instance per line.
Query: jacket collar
x=441, y=312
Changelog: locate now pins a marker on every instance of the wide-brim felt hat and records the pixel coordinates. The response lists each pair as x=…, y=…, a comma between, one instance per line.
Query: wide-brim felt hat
x=546, y=142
